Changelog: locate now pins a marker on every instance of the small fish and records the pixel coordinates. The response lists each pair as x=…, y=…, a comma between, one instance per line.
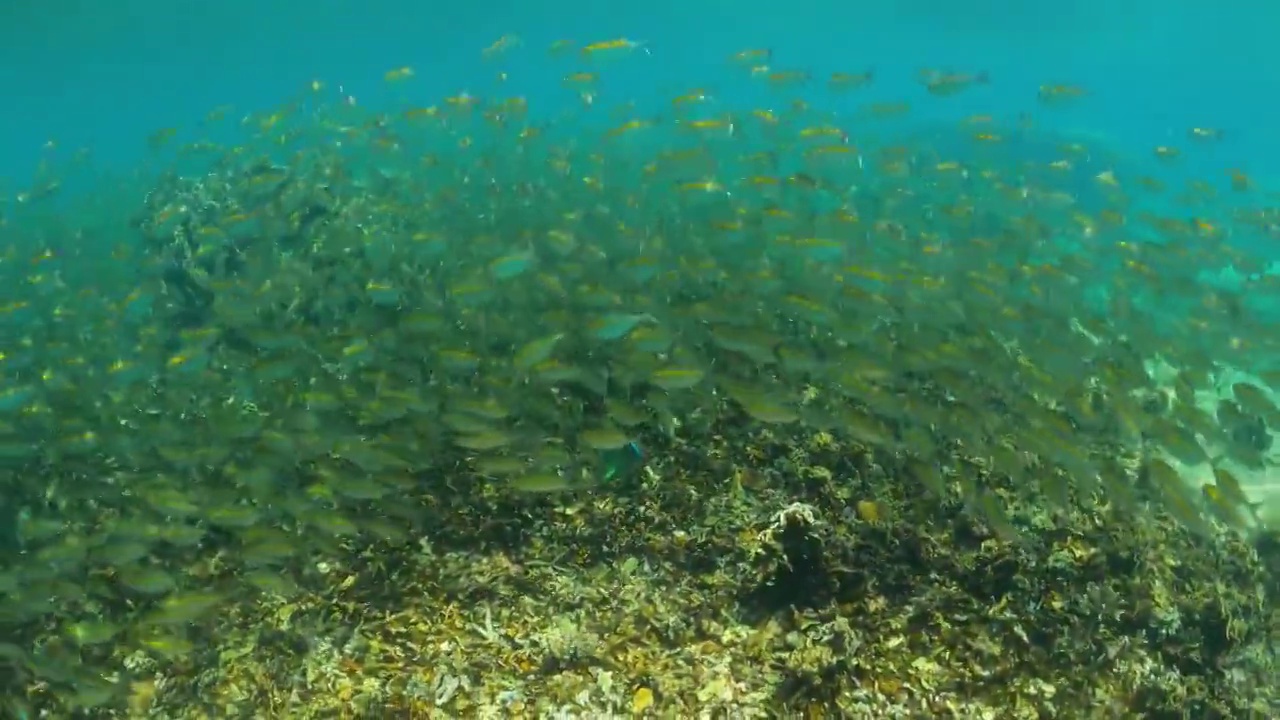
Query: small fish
x=536, y=352
x=91, y=632
x=752, y=57
x=605, y=438
x=1223, y=508
x=768, y=411
x=1231, y=491
x=613, y=46
x=1240, y=182
x=168, y=645
x=629, y=127
x=1253, y=399
x=702, y=186
x=987, y=506
x=579, y=79
x=693, y=97
x=484, y=441
x=724, y=125
x=398, y=74
x=1204, y=134
x=501, y=45
x=1060, y=94
x=541, y=483
x=271, y=582
x=560, y=47
x=616, y=326
x=331, y=522
x=621, y=462
x=499, y=466
x=233, y=516
x=510, y=266
x=147, y=580
x=871, y=511
x=787, y=78
x=677, y=378
x=161, y=137
x=944, y=84
x=184, y=608
x=840, y=81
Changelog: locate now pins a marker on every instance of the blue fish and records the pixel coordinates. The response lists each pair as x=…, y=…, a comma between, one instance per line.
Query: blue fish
x=505, y=268
x=621, y=463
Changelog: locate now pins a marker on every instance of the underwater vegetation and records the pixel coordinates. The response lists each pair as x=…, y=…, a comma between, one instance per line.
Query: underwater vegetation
x=709, y=411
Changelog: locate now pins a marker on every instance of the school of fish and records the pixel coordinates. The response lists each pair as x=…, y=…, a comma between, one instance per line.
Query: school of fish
x=285, y=345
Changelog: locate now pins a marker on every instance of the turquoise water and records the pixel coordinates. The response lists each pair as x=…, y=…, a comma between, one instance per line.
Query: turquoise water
x=105, y=75
x=356, y=315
